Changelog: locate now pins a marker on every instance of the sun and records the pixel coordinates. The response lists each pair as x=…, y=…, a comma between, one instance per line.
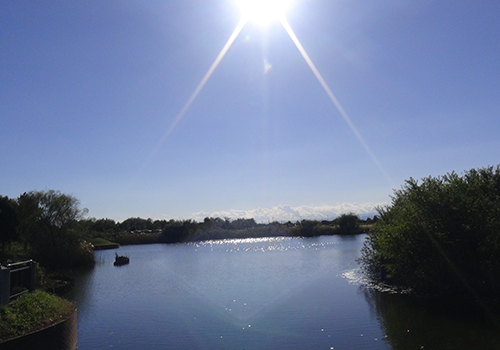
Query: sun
x=263, y=12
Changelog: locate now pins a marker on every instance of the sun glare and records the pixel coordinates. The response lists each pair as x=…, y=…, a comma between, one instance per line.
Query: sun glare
x=263, y=12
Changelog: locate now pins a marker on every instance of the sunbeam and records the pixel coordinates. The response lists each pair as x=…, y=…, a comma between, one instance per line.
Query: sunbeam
x=202, y=83
x=330, y=94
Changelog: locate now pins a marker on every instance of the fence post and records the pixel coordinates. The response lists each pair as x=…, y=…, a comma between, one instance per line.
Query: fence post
x=32, y=284
x=4, y=285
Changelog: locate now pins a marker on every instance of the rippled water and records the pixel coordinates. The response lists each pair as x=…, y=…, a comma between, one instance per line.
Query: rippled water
x=267, y=293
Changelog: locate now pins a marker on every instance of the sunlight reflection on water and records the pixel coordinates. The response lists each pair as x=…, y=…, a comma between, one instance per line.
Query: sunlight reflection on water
x=266, y=244
x=356, y=276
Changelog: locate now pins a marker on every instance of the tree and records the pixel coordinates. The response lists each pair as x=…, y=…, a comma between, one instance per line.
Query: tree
x=49, y=225
x=348, y=224
x=179, y=231
x=103, y=225
x=440, y=236
x=134, y=224
x=308, y=228
x=242, y=223
x=8, y=221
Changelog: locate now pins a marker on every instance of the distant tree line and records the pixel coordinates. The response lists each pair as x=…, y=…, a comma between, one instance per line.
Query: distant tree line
x=137, y=230
x=50, y=227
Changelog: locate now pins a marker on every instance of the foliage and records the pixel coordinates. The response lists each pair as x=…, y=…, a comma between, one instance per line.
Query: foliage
x=54, y=230
x=307, y=228
x=49, y=227
x=133, y=224
x=179, y=231
x=348, y=224
x=30, y=312
x=441, y=236
x=102, y=225
x=345, y=224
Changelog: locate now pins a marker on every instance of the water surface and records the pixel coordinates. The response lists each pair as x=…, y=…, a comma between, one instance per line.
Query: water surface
x=272, y=293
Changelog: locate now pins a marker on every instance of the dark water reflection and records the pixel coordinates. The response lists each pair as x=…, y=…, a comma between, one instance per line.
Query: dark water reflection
x=281, y=293
x=411, y=323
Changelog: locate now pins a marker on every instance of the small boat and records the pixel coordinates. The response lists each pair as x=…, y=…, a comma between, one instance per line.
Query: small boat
x=121, y=260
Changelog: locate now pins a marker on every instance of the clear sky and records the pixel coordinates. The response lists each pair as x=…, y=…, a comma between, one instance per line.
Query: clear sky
x=89, y=90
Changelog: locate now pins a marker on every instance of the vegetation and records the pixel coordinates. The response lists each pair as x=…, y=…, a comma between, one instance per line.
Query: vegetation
x=101, y=243
x=345, y=224
x=145, y=231
x=31, y=312
x=175, y=231
x=49, y=227
x=44, y=226
x=440, y=237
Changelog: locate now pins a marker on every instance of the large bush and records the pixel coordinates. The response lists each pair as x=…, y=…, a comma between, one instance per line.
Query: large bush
x=440, y=236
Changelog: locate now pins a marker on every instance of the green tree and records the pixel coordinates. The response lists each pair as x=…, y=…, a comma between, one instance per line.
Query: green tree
x=440, y=236
x=348, y=224
x=134, y=224
x=307, y=228
x=103, y=225
x=179, y=231
x=242, y=223
x=49, y=224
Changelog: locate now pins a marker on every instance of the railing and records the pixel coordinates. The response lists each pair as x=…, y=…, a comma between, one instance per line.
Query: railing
x=16, y=279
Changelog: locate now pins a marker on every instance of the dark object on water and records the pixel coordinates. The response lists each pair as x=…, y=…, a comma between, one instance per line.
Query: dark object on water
x=121, y=260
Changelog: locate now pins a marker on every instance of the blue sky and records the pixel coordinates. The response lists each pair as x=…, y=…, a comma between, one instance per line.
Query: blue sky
x=88, y=90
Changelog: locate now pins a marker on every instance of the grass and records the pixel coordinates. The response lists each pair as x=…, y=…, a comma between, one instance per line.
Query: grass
x=100, y=241
x=31, y=312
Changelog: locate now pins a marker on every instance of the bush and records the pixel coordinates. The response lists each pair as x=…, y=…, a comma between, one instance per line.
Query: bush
x=440, y=237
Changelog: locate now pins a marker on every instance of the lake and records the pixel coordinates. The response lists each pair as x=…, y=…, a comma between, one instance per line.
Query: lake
x=266, y=293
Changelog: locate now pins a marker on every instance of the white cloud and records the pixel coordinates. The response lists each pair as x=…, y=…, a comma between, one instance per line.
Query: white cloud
x=287, y=213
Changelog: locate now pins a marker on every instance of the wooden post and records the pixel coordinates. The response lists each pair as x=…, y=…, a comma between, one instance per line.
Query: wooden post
x=4, y=285
x=32, y=285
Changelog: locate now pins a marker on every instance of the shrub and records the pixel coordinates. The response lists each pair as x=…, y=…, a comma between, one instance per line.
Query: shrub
x=441, y=236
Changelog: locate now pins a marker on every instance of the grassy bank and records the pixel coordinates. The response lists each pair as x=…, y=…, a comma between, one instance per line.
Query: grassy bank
x=31, y=312
x=101, y=243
